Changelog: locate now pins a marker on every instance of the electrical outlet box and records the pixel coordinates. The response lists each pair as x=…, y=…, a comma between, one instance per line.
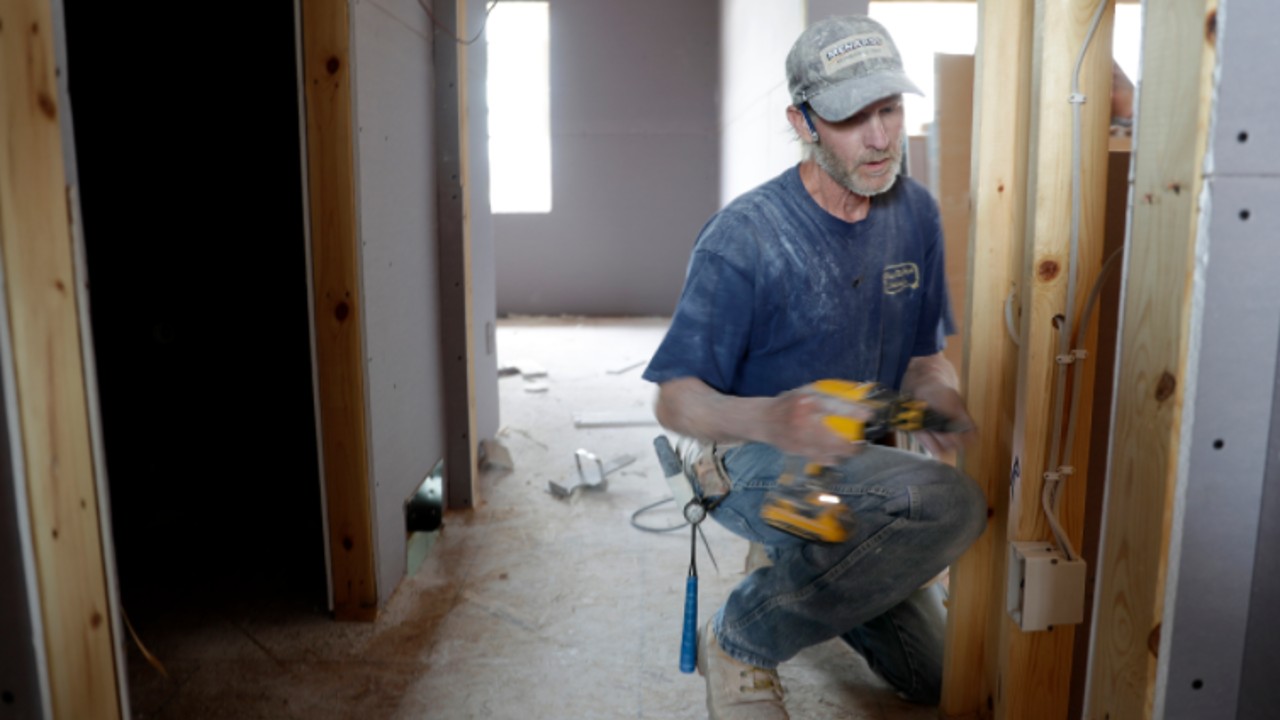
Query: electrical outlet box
x=1044, y=588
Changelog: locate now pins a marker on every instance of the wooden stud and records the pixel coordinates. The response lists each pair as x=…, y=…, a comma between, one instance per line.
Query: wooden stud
x=1035, y=667
x=340, y=372
x=1172, y=130
x=998, y=182
x=953, y=134
x=453, y=233
x=49, y=372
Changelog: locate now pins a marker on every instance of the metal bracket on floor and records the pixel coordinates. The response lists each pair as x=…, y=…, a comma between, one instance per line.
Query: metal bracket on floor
x=591, y=473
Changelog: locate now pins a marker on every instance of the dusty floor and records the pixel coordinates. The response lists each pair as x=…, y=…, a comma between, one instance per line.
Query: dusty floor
x=529, y=606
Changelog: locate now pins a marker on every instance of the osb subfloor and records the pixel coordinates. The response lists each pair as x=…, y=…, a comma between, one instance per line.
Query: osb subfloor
x=528, y=606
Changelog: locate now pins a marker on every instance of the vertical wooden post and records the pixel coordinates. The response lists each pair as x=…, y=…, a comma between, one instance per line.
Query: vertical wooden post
x=454, y=237
x=49, y=371
x=998, y=188
x=1171, y=136
x=953, y=134
x=1036, y=666
x=339, y=338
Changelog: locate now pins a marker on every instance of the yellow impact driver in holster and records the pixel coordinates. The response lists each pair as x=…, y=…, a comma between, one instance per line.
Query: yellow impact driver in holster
x=803, y=503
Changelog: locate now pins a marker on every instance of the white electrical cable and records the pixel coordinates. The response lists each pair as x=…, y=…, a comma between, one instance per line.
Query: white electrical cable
x=1054, y=474
x=1107, y=268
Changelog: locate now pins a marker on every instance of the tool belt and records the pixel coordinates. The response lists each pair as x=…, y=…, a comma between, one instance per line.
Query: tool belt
x=704, y=466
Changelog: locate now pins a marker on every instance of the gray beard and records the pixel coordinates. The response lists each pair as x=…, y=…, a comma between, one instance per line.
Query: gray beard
x=848, y=178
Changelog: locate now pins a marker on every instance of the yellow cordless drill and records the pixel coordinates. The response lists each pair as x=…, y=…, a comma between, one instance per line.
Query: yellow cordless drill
x=804, y=505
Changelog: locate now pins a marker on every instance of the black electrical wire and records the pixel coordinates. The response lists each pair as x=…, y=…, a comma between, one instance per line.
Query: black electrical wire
x=427, y=9
x=648, y=528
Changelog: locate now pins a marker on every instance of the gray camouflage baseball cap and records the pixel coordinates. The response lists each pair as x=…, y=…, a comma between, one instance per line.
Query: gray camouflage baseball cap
x=842, y=64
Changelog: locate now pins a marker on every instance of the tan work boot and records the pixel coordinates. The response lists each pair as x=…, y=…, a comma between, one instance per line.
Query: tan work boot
x=736, y=690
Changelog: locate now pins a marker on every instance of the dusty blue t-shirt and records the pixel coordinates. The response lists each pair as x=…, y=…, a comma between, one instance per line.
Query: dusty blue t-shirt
x=780, y=293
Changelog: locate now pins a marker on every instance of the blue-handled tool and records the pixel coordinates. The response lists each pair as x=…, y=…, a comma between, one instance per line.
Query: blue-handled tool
x=689, y=639
x=695, y=511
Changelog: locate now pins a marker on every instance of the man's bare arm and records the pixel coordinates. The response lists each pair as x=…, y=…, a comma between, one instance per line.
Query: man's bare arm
x=791, y=422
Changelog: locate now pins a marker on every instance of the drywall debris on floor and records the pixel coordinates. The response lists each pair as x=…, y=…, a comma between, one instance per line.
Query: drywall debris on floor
x=531, y=371
x=495, y=456
x=506, y=431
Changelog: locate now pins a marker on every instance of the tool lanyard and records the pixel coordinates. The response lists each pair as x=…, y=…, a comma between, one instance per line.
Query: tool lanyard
x=695, y=512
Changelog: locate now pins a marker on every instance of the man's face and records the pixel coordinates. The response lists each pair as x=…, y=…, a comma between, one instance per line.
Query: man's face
x=864, y=152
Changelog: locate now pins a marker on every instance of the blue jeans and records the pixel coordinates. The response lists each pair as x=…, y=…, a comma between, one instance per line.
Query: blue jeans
x=914, y=517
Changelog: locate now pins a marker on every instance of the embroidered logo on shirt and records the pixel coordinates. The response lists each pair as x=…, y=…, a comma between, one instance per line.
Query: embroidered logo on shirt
x=903, y=276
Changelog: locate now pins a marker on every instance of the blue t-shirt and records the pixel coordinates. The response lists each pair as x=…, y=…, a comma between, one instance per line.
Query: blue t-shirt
x=780, y=293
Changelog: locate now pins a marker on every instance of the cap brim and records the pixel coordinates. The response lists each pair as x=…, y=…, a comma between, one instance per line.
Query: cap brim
x=842, y=101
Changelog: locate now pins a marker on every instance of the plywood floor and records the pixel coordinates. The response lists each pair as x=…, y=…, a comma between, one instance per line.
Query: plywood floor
x=527, y=607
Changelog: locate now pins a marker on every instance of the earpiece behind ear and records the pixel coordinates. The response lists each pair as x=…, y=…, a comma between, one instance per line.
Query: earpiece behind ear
x=813, y=131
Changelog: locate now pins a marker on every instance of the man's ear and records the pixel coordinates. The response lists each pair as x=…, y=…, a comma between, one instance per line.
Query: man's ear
x=801, y=123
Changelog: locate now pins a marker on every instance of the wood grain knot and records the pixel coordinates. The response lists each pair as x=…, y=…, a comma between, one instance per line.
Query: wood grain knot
x=95, y=620
x=47, y=106
x=60, y=286
x=347, y=543
x=1047, y=270
x=1166, y=386
x=1153, y=641
x=1000, y=187
x=341, y=311
x=332, y=65
x=1175, y=187
x=1211, y=27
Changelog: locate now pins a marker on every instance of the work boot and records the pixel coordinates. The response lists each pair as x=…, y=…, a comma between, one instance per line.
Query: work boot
x=736, y=690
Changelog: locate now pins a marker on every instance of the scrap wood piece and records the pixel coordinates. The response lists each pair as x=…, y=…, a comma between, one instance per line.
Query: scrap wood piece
x=614, y=418
x=625, y=367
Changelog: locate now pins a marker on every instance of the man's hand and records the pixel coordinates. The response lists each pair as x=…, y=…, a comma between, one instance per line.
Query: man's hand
x=932, y=379
x=946, y=402
x=797, y=425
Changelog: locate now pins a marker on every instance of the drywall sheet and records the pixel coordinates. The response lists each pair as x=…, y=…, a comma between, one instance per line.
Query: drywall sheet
x=395, y=199
x=484, y=295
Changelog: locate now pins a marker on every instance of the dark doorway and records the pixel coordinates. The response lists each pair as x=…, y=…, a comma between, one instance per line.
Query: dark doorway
x=187, y=142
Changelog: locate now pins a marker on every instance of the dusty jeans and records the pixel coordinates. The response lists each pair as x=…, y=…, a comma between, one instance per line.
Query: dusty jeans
x=914, y=517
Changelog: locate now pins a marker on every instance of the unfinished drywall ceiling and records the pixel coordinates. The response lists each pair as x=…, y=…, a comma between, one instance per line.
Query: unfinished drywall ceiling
x=634, y=156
